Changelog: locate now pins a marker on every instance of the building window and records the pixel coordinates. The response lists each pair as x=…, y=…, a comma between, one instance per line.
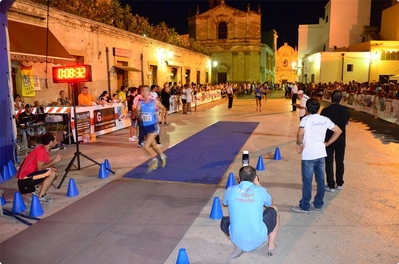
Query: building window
x=349, y=67
x=389, y=55
x=222, y=30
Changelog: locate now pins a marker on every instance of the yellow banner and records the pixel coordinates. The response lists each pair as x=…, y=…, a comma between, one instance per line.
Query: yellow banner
x=27, y=82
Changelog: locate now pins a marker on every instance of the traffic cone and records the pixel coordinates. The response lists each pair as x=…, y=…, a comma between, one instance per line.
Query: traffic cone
x=106, y=162
x=182, y=258
x=277, y=155
x=3, y=200
x=260, y=166
x=230, y=180
x=72, y=189
x=18, y=205
x=36, y=208
x=11, y=168
x=216, y=212
x=102, y=174
x=5, y=173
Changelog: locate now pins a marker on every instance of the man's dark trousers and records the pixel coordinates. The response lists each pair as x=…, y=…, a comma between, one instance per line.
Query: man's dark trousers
x=294, y=97
x=230, y=100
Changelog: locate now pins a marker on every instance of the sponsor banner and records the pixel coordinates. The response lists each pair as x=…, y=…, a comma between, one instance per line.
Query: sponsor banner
x=27, y=82
x=83, y=124
x=104, y=119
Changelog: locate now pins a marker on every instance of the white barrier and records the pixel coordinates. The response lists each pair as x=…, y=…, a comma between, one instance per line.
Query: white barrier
x=386, y=109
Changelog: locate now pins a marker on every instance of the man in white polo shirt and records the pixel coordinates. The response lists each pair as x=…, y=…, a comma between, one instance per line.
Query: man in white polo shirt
x=310, y=142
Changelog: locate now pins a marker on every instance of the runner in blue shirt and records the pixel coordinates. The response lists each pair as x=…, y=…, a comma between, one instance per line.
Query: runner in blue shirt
x=147, y=112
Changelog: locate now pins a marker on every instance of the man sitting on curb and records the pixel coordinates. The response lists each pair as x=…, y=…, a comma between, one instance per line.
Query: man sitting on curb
x=38, y=169
x=249, y=225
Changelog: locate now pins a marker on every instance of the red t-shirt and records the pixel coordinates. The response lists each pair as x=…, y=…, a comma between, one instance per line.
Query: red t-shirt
x=30, y=163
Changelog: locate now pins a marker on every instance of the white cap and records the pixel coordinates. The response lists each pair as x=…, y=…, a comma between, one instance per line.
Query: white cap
x=300, y=92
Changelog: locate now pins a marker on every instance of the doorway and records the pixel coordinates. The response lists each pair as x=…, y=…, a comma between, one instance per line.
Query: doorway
x=222, y=77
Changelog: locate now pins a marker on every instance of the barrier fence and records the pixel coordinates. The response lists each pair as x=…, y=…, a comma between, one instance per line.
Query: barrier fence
x=381, y=107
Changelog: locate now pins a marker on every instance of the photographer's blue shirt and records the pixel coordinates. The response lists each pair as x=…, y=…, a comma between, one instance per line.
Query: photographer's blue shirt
x=245, y=202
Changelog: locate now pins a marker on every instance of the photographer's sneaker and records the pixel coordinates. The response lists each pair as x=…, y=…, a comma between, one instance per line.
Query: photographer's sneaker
x=339, y=187
x=46, y=200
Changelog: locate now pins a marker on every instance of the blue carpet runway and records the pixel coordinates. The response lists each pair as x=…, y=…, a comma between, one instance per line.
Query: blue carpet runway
x=204, y=157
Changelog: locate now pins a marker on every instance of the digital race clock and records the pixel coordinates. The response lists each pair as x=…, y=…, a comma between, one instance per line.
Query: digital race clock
x=70, y=74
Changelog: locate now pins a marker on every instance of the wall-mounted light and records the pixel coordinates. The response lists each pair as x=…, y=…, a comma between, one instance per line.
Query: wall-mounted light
x=215, y=63
x=375, y=56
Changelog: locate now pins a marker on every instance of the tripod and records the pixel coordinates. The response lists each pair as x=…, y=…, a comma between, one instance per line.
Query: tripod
x=77, y=153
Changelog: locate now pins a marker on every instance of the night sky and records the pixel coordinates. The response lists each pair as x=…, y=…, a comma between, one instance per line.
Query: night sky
x=283, y=16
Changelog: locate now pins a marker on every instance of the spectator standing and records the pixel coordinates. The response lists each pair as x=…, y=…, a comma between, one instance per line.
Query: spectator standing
x=63, y=100
x=189, y=98
x=230, y=95
x=136, y=100
x=122, y=94
x=249, y=224
x=302, y=104
x=133, y=119
x=183, y=99
x=86, y=99
x=310, y=142
x=165, y=100
x=294, y=95
x=338, y=114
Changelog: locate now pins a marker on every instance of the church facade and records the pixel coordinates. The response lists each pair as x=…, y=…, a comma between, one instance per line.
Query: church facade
x=233, y=38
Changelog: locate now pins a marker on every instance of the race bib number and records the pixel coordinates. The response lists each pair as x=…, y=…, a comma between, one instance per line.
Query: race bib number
x=146, y=117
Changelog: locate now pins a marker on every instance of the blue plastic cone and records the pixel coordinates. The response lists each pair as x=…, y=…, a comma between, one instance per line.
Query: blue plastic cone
x=11, y=168
x=277, y=155
x=106, y=162
x=216, y=212
x=5, y=173
x=230, y=180
x=182, y=258
x=72, y=189
x=260, y=166
x=3, y=200
x=36, y=208
x=102, y=174
x=18, y=205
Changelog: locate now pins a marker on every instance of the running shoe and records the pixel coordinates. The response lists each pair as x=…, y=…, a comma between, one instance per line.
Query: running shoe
x=163, y=160
x=153, y=165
